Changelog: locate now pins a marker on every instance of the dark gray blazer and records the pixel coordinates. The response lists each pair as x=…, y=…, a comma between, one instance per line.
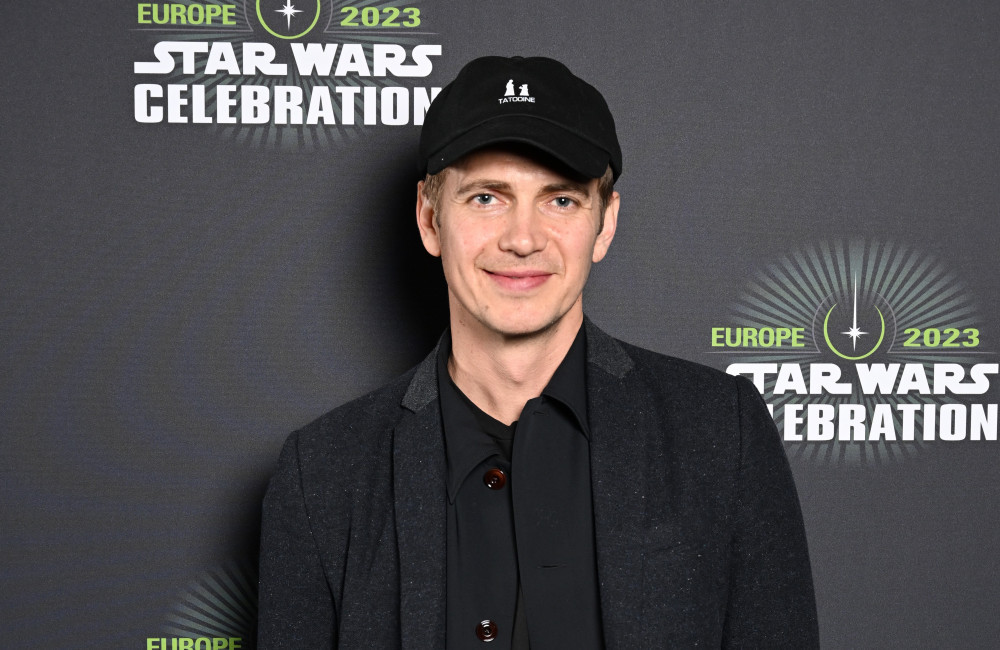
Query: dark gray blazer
x=700, y=542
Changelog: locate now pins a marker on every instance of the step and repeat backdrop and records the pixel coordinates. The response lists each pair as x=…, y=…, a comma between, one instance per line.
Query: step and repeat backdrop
x=208, y=240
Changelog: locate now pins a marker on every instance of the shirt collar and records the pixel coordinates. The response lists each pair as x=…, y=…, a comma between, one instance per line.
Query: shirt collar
x=466, y=443
x=568, y=384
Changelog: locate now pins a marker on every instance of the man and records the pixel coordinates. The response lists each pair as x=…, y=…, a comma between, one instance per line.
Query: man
x=534, y=482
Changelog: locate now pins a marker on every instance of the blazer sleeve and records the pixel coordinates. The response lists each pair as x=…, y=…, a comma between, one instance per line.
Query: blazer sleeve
x=296, y=607
x=771, y=601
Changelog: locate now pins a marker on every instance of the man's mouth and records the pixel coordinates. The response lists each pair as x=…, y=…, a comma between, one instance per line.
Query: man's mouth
x=519, y=279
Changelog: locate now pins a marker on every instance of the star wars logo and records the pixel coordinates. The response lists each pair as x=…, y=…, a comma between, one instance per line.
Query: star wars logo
x=262, y=103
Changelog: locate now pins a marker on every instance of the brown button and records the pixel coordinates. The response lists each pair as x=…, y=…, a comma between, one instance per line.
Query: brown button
x=495, y=479
x=486, y=630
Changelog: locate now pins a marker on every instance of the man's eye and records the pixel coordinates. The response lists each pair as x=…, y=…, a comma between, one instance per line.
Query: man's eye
x=564, y=202
x=484, y=199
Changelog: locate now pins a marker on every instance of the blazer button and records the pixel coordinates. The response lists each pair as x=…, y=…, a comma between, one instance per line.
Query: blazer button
x=486, y=631
x=495, y=479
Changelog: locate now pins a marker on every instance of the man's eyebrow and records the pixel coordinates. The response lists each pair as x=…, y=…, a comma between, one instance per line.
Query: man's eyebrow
x=568, y=186
x=480, y=184
x=483, y=184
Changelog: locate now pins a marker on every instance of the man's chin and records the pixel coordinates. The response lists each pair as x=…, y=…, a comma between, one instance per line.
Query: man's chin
x=526, y=328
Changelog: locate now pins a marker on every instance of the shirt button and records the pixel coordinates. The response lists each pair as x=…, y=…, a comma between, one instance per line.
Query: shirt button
x=486, y=631
x=495, y=479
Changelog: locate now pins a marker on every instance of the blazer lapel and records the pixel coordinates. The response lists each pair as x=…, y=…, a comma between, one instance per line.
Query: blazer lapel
x=419, y=481
x=619, y=427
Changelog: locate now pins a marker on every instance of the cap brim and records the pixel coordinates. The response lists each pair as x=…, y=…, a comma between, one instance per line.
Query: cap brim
x=577, y=153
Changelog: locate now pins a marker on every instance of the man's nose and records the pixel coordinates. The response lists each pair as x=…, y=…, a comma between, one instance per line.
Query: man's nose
x=523, y=234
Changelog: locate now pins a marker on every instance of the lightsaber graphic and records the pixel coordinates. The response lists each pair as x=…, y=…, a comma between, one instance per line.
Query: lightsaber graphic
x=855, y=332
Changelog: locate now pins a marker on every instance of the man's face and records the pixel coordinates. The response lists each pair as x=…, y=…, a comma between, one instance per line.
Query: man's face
x=516, y=241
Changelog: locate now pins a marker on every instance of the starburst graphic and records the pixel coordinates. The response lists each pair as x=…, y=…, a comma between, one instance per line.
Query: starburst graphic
x=288, y=11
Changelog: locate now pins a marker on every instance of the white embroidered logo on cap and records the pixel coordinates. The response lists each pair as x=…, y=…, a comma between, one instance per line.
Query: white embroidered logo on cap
x=510, y=96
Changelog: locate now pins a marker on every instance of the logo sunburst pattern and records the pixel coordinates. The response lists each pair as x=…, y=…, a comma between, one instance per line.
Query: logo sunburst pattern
x=221, y=603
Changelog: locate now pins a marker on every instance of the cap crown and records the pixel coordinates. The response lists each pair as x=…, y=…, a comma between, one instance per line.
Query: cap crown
x=536, y=101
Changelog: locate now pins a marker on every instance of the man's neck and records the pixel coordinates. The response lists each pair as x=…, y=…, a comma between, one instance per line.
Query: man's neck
x=501, y=373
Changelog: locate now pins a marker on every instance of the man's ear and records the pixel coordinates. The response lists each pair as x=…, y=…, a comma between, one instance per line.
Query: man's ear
x=427, y=223
x=608, y=231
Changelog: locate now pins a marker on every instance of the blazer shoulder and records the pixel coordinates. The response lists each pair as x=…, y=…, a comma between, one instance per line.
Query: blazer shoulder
x=638, y=375
x=357, y=425
x=677, y=373
x=705, y=399
x=693, y=389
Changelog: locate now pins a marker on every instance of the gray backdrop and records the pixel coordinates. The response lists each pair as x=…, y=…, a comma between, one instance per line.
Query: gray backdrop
x=178, y=297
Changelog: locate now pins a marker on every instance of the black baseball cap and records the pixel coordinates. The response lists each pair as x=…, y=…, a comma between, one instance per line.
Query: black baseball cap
x=530, y=100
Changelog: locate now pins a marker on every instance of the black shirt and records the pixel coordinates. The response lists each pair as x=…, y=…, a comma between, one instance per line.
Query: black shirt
x=520, y=559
